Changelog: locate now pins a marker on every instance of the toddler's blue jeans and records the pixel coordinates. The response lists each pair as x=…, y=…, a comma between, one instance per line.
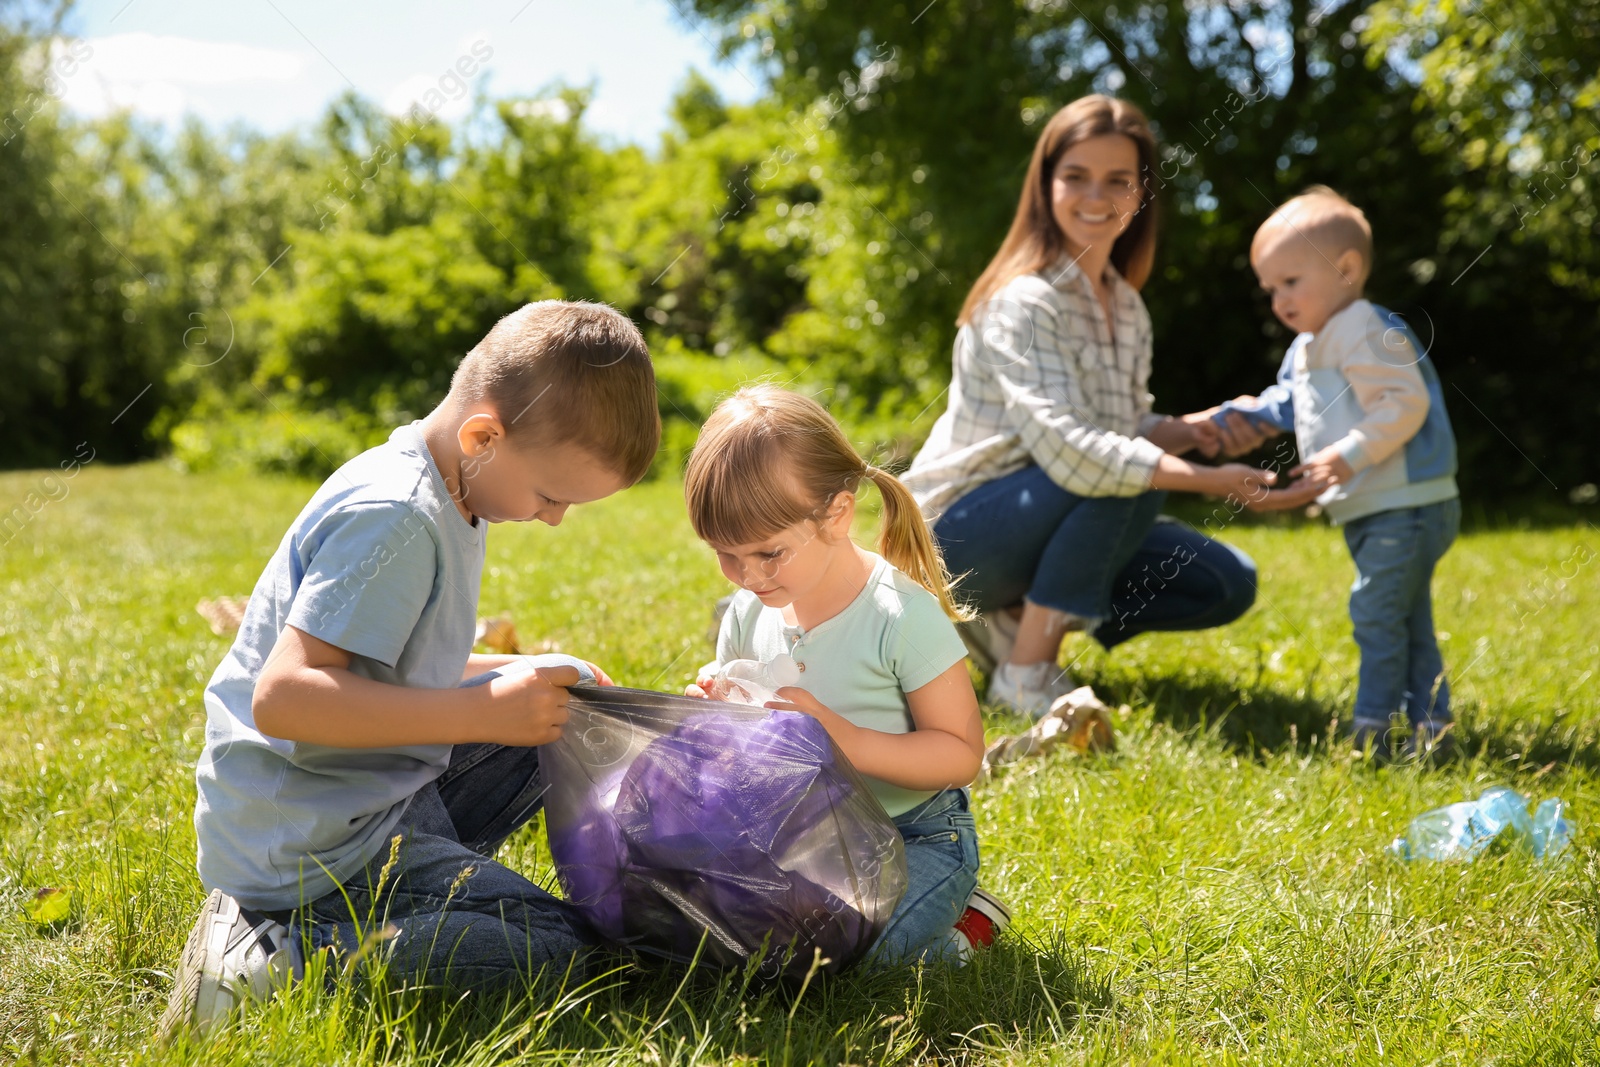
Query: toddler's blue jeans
x=1391, y=607
x=465, y=921
x=942, y=861
x=1108, y=559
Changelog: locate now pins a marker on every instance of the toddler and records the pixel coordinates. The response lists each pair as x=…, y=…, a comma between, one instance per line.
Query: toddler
x=1376, y=451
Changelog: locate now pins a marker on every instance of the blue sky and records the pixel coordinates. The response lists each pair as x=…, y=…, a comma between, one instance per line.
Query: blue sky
x=276, y=63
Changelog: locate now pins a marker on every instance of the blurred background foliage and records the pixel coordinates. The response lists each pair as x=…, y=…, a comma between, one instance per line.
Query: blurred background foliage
x=280, y=302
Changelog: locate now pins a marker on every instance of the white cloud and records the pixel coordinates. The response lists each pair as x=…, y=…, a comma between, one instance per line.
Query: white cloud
x=416, y=90
x=446, y=93
x=149, y=73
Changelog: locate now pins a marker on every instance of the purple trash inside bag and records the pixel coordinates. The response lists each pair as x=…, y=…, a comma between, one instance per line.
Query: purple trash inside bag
x=741, y=825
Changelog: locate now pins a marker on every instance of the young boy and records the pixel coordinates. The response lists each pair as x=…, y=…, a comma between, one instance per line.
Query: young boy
x=348, y=775
x=1376, y=451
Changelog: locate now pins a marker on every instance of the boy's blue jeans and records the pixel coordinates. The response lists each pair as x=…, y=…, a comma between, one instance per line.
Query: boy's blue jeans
x=465, y=921
x=1106, y=559
x=1391, y=607
x=942, y=861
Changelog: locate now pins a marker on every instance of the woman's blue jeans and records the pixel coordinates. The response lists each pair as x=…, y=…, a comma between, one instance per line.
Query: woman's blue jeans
x=1113, y=561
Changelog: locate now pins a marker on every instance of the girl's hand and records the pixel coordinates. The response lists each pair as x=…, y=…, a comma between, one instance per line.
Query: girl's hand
x=797, y=699
x=844, y=733
x=705, y=682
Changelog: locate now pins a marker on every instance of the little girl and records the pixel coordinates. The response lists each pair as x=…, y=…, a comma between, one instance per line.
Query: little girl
x=771, y=487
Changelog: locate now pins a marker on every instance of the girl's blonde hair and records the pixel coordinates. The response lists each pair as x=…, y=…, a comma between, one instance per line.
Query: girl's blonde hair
x=1035, y=240
x=769, y=459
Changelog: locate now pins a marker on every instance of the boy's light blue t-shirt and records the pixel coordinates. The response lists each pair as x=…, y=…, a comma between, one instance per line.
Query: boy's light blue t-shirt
x=891, y=640
x=381, y=564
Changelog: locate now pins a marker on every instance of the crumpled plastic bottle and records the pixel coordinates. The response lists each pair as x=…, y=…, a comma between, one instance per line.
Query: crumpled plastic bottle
x=1465, y=830
x=749, y=681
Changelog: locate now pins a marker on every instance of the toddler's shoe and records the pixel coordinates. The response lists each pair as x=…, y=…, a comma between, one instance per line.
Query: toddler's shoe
x=233, y=955
x=1372, y=735
x=989, y=639
x=1029, y=690
x=1432, y=741
x=982, y=922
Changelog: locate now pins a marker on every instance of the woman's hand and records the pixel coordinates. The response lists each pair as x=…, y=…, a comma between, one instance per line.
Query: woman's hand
x=1326, y=467
x=1238, y=434
x=1295, y=495
x=1240, y=480
x=1231, y=435
x=1231, y=479
x=1175, y=436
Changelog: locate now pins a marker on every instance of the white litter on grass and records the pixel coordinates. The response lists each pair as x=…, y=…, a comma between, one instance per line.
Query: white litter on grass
x=1077, y=720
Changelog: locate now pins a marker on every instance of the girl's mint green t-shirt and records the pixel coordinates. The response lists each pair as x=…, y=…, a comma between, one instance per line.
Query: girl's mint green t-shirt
x=891, y=640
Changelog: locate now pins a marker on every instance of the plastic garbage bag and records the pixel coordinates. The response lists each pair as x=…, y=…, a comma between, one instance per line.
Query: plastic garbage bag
x=675, y=820
x=1465, y=830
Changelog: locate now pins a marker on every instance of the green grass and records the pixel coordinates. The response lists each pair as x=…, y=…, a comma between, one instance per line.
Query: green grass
x=1217, y=891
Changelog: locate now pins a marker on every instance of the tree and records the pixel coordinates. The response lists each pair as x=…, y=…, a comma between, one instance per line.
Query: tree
x=1252, y=100
x=1512, y=89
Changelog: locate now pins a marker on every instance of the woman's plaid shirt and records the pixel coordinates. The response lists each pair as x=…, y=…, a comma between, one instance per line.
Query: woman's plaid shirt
x=1039, y=378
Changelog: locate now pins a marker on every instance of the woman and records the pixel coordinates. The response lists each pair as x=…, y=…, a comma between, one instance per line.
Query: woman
x=1044, y=478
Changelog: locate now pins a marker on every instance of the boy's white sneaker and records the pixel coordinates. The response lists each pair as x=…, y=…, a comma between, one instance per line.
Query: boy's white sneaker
x=1029, y=690
x=233, y=955
x=989, y=639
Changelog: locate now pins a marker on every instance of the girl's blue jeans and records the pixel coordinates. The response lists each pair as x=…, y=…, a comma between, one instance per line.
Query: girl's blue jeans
x=942, y=861
x=1113, y=561
x=1391, y=607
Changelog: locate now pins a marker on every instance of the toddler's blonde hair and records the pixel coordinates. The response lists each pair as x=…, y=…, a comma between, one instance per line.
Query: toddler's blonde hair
x=769, y=459
x=1326, y=219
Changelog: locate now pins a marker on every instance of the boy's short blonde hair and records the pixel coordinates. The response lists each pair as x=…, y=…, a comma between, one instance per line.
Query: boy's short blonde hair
x=1326, y=219
x=569, y=372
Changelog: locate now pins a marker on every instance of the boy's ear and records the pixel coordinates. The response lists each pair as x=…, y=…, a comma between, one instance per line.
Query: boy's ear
x=480, y=432
x=1351, y=267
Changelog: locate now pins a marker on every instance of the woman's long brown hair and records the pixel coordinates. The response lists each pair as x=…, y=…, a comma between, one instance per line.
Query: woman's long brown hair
x=1035, y=239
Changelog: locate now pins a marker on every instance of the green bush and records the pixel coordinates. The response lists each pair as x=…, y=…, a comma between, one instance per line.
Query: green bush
x=304, y=444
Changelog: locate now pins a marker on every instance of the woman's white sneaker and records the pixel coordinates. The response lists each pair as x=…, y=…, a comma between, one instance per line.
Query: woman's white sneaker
x=1029, y=690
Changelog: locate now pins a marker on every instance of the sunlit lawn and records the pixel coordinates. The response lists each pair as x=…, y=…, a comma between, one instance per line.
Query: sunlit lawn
x=1216, y=891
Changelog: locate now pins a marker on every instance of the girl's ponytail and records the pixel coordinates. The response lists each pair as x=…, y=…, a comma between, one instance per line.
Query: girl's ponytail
x=908, y=544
